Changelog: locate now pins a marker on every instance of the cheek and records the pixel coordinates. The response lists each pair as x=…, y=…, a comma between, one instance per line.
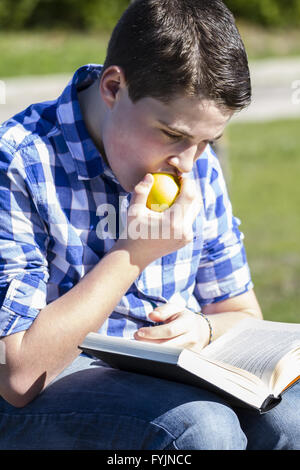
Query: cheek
x=117, y=143
x=121, y=138
x=131, y=143
x=151, y=149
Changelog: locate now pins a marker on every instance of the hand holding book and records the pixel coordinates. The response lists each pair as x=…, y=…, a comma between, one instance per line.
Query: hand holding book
x=178, y=327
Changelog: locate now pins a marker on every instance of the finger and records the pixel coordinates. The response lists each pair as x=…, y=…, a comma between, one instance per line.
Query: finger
x=165, y=312
x=193, y=210
x=187, y=340
x=185, y=210
x=169, y=330
x=187, y=190
x=142, y=190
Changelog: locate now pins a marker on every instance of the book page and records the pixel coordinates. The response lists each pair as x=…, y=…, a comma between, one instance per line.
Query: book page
x=255, y=346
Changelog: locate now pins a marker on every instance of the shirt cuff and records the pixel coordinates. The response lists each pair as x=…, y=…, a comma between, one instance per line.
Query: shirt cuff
x=25, y=297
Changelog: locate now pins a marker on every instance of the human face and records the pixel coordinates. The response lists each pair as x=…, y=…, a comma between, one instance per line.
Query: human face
x=151, y=136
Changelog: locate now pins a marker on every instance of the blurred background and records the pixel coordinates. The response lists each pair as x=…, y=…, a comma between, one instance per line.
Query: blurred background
x=44, y=41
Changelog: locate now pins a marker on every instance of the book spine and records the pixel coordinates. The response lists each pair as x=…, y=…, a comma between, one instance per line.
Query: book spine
x=269, y=403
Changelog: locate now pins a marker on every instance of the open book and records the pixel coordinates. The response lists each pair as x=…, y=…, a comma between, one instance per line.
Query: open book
x=251, y=365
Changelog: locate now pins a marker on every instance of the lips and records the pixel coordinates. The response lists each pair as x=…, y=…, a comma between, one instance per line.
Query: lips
x=174, y=172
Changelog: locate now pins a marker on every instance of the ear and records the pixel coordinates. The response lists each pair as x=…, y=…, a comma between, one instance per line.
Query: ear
x=111, y=84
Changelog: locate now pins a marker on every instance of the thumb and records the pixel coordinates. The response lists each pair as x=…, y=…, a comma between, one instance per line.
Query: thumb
x=142, y=190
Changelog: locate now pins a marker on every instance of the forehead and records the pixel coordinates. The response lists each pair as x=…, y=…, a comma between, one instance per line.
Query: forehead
x=191, y=115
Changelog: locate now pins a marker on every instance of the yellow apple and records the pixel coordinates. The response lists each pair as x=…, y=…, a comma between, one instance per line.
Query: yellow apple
x=164, y=191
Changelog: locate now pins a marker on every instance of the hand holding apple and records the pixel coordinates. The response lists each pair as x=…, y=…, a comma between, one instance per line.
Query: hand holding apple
x=152, y=234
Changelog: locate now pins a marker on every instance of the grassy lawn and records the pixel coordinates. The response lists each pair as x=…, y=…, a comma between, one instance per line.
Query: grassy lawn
x=264, y=166
x=46, y=52
x=25, y=53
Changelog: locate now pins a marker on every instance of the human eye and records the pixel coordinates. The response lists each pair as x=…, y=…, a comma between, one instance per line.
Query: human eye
x=171, y=135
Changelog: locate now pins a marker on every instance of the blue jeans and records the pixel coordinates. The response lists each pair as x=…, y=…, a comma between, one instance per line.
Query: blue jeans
x=92, y=406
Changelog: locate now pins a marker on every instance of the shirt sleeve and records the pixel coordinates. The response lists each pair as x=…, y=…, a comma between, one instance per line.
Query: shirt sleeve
x=223, y=269
x=23, y=240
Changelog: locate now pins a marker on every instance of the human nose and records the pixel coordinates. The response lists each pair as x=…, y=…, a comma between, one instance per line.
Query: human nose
x=184, y=160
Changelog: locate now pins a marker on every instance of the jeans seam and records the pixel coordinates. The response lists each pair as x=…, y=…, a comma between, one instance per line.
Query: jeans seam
x=71, y=413
x=170, y=434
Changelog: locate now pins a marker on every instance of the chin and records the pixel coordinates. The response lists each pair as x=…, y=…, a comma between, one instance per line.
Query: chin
x=129, y=189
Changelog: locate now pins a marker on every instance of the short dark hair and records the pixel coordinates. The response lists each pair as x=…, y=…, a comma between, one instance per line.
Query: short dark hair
x=174, y=47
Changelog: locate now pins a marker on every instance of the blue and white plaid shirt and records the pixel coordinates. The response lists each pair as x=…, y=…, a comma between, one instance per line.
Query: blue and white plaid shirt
x=53, y=180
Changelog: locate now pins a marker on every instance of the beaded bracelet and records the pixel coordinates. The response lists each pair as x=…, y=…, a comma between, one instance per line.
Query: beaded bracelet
x=209, y=326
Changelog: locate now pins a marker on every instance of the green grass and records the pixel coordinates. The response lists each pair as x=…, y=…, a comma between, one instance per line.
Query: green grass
x=24, y=53
x=264, y=162
x=46, y=52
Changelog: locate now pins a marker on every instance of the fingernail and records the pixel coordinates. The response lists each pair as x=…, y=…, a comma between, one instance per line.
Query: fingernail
x=147, y=178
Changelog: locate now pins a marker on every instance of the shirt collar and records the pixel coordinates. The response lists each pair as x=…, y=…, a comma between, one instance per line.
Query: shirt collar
x=87, y=158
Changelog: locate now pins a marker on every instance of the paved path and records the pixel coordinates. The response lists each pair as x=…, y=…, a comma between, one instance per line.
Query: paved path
x=272, y=80
x=274, y=92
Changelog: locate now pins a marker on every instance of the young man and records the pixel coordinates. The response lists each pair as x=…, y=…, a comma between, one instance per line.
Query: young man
x=175, y=73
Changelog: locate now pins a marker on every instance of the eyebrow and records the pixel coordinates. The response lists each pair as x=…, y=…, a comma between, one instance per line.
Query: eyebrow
x=180, y=131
